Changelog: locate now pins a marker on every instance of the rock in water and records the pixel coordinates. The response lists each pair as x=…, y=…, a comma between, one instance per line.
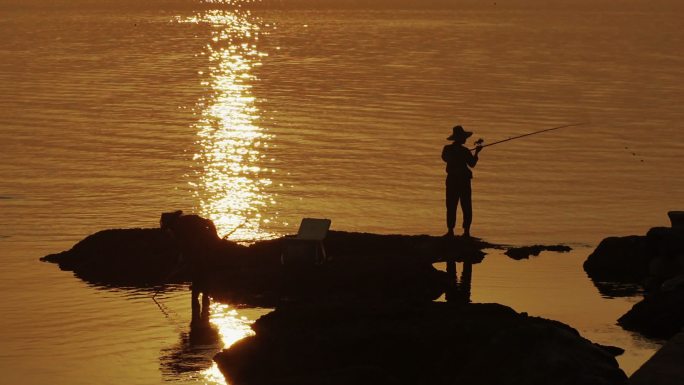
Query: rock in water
x=622, y=259
x=121, y=256
x=525, y=252
x=650, y=259
x=655, y=261
x=409, y=343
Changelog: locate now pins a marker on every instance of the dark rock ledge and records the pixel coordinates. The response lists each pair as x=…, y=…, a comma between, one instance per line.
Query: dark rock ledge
x=363, y=264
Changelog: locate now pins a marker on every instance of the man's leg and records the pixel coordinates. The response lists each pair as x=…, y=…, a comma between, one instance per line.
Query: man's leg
x=466, y=206
x=194, y=302
x=206, y=302
x=451, y=204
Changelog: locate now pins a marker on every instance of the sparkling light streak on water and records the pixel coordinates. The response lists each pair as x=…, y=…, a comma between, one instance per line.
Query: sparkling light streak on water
x=229, y=180
x=232, y=327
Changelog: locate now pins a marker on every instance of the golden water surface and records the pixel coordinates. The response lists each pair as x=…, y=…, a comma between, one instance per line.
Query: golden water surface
x=256, y=114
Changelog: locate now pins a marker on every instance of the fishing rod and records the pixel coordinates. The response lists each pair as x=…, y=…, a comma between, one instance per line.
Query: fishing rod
x=480, y=141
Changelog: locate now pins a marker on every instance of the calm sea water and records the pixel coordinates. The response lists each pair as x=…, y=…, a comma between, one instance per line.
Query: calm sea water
x=259, y=114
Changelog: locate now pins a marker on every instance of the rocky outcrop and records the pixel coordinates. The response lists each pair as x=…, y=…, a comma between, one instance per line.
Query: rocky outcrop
x=409, y=343
x=363, y=265
x=137, y=257
x=655, y=262
x=121, y=257
x=649, y=260
x=622, y=259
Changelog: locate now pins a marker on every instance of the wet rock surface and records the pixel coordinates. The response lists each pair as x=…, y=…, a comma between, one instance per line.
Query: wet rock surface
x=414, y=343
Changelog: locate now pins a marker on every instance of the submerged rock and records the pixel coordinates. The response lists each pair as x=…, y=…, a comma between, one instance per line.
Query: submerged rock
x=525, y=252
x=410, y=343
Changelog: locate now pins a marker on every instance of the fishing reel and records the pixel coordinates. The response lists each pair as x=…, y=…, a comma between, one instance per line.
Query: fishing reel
x=478, y=144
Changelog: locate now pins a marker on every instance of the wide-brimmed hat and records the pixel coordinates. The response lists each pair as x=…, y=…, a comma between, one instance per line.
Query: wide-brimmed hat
x=459, y=133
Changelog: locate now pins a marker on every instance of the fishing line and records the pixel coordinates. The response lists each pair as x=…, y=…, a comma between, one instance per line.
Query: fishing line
x=170, y=315
x=175, y=320
x=235, y=229
x=480, y=141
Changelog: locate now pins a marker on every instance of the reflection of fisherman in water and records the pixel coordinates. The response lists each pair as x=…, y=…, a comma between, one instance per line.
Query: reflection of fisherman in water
x=469, y=253
x=195, y=238
x=193, y=352
x=458, y=291
x=459, y=160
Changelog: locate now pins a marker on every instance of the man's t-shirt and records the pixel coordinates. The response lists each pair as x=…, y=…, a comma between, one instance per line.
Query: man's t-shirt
x=458, y=158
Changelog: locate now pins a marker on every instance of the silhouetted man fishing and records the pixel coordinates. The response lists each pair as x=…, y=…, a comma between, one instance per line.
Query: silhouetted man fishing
x=459, y=161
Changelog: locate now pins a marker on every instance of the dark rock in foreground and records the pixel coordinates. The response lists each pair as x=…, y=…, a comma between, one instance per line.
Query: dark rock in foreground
x=665, y=367
x=427, y=343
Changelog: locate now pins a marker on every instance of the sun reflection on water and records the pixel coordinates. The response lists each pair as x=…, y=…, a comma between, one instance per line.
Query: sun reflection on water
x=230, y=178
x=231, y=327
